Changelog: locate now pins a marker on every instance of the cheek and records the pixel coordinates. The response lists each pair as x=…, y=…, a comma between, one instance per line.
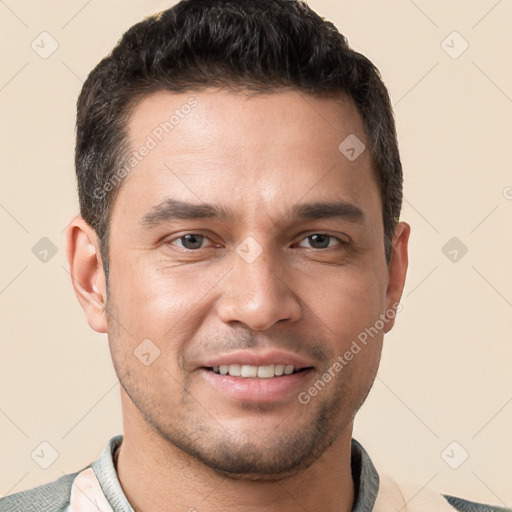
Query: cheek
x=350, y=305
x=161, y=303
x=144, y=292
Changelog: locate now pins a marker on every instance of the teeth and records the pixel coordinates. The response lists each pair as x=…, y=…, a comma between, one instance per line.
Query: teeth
x=266, y=372
x=235, y=370
x=248, y=371
x=288, y=370
x=279, y=369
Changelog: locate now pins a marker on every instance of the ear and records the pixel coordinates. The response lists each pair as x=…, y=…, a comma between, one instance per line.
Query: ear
x=86, y=269
x=397, y=270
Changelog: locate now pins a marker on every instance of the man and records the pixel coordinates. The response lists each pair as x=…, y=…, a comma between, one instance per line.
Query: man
x=240, y=189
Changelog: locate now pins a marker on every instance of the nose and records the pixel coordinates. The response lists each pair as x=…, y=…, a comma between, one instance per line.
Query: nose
x=258, y=294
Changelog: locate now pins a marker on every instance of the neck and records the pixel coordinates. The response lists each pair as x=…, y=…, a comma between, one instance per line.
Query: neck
x=157, y=476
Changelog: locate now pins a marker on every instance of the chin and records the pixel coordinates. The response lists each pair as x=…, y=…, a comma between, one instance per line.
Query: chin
x=255, y=453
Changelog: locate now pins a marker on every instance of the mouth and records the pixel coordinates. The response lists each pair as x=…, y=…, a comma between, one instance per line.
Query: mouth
x=247, y=371
x=257, y=377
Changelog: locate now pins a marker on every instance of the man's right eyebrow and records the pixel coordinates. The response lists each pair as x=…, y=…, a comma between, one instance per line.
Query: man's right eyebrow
x=174, y=209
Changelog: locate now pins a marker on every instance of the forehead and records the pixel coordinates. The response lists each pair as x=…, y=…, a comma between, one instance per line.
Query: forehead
x=246, y=151
x=244, y=119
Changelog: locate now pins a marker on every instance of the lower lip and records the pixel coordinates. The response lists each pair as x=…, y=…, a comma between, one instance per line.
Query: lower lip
x=257, y=390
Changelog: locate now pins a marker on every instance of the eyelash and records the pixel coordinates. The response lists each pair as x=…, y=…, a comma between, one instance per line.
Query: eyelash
x=341, y=242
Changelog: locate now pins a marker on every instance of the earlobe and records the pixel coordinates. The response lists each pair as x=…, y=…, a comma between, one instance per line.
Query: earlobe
x=397, y=269
x=86, y=269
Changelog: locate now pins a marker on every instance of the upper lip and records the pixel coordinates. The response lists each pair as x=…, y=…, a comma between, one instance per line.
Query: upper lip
x=258, y=358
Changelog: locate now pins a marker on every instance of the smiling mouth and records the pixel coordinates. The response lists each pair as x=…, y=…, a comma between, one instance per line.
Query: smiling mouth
x=247, y=371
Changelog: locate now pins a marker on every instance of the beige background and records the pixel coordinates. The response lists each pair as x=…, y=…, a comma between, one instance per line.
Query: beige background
x=445, y=373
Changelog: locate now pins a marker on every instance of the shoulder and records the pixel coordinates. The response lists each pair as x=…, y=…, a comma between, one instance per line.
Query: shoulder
x=463, y=505
x=50, y=497
x=404, y=494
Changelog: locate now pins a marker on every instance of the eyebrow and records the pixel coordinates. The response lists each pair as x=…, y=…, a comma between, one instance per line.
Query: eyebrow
x=327, y=210
x=173, y=209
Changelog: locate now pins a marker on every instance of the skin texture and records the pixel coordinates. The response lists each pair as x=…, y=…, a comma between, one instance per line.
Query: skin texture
x=187, y=444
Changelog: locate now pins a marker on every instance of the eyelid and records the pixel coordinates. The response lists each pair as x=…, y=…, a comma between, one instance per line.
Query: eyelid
x=171, y=241
x=340, y=240
x=303, y=236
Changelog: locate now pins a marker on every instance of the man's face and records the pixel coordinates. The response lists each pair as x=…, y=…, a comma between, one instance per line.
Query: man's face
x=268, y=284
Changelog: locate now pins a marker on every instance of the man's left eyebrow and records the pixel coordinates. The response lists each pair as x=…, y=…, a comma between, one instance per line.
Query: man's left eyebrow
x=327, y=210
